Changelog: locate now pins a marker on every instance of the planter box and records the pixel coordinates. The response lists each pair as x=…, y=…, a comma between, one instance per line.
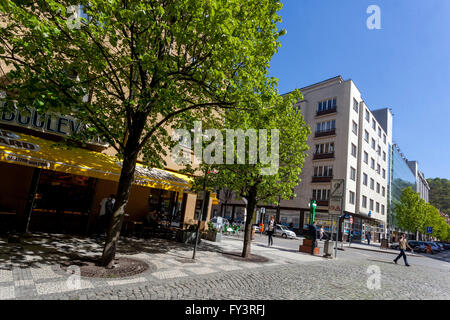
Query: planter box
x=214, y=236
x=307, y=246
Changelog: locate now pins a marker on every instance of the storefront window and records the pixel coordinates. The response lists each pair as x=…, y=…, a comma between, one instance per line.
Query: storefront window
x=166, y=207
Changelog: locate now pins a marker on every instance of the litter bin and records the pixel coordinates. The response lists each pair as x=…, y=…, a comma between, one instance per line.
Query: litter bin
x=327, y=249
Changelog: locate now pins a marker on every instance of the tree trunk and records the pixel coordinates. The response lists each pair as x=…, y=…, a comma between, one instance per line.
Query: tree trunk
x=123, y=193
x=251, y=203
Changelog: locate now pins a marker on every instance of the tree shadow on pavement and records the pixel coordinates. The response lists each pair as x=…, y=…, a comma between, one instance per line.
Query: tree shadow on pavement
x=37, y=249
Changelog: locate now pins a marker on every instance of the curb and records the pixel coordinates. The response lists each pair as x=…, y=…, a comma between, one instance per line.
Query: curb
x=408, y=254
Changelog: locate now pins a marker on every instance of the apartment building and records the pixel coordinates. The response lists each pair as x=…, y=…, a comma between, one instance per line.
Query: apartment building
x=422, y=186
x=348, y=141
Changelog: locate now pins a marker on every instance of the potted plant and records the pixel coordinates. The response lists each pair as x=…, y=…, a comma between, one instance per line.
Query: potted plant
x=187, y=235
x=213, y=233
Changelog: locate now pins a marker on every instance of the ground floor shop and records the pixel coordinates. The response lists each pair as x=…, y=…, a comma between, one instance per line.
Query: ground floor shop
x=49, y=188
x=298, y=220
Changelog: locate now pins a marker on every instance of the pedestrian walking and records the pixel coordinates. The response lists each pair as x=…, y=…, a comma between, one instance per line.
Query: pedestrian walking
x=368, y=235
x=403, y=243
x=321, y=232
x=271, y=230
x=313, y=234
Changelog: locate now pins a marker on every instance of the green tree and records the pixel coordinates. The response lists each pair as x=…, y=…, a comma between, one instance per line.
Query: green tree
x=261, y=181
x=410, y=211
x=134, y=68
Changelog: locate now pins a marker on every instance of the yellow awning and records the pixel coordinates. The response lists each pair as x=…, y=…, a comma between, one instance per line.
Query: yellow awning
x=27, y=150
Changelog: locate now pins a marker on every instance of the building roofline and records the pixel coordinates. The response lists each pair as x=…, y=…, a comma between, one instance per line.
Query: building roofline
x=338, y=79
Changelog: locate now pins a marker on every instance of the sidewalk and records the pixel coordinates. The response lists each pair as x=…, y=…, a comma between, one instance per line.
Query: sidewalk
x=373, y=247
x=32, y=269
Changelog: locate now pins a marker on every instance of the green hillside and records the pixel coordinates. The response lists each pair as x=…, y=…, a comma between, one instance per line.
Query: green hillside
x=440, y=193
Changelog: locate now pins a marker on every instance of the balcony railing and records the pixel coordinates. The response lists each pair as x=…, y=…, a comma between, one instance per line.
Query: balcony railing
x=322, y=179
x=330, y=132
x=322, y=112
x=318, y=156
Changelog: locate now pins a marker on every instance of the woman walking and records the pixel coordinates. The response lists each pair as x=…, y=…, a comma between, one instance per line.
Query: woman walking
x=270, y=230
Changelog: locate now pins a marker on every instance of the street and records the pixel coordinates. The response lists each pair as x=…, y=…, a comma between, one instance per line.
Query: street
x=172, y=275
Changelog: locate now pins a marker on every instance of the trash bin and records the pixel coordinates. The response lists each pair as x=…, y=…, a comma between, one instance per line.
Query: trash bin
x=327, y=249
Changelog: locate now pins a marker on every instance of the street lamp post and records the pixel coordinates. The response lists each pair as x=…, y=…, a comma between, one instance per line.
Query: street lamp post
x=312, y=211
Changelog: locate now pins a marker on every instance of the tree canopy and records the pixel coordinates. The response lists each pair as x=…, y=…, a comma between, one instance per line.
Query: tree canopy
x=131, y=69
x=267, y=169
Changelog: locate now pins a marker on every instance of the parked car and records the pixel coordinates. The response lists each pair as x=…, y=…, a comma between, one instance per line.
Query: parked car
x=284, y=232
x=434, y=247
x=440, y=245
x=444, y=244
x=417, y=246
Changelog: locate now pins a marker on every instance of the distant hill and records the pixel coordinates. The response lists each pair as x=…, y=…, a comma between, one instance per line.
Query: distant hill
x=440, y=194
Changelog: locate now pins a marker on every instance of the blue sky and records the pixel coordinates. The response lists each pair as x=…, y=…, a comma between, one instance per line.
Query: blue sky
x=405, y=65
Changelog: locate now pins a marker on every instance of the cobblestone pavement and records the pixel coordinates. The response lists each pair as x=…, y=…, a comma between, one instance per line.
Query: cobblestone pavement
x=289, y=275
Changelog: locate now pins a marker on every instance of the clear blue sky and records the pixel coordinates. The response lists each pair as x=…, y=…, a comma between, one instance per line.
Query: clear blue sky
x=404, y=66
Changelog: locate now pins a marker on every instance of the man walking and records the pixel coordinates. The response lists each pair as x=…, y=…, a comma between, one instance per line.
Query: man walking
x=270, y=230
x=368, y=235
x=321, y=232
x=403, y=243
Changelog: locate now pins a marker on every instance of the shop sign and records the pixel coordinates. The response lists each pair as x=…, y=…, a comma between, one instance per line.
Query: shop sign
x=49, y=123
x=26, y=161
x=10, y=139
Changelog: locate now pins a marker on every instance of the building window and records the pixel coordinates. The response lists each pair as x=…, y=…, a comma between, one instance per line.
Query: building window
x=352, y=173
x=371, y=204
x=379, y=132
x=372, y=163
x=367, y=116
x=326, y=126
x=384, y=156
x=355, y=128
x=378, y=169
x=327, y=105
x=374, y=125
x=378, y=187
x=384, y=174
x=373, y=144
x=353, y=150
x=352, y=197
x=355, y=105
x=364, y=201
x=384, y=138
x=382, y=209
x=372, y=183
x=383, y=191
x=366, y=157
x=377, y=208
x=324, y=148
x=366, y=136
x=323, y=171
x=379, y=151
x=364, y=179
x=321, y=194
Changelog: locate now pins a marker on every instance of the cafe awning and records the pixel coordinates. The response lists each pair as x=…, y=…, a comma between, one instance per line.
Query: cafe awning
x=27, y=150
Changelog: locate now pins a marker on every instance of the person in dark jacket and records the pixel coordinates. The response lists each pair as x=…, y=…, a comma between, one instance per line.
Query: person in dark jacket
x=313, y=234
x=271, y=230
x=368, y=236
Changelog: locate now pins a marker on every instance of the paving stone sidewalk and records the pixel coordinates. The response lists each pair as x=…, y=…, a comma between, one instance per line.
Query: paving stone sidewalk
x=31, y=269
